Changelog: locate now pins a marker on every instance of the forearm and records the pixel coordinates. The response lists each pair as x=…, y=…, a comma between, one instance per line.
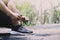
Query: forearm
x=5, y=9
x=11, y=5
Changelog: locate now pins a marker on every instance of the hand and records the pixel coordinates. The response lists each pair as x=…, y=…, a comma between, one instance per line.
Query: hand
x=24, y=19
x=15, y=17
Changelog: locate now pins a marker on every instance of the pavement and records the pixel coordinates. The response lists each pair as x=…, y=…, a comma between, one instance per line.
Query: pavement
x=40, y=32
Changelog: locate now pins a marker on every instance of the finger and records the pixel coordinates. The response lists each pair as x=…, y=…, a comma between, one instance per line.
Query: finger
x=19, y=17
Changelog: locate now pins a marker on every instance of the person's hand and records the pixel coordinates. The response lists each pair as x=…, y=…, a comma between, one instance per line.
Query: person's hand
x=24, y=19
x=15, y=17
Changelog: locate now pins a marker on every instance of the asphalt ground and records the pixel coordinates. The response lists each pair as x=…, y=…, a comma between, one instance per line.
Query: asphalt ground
x=40, y=32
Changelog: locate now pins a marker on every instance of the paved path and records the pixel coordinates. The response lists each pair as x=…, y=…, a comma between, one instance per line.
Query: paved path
x=41, y=32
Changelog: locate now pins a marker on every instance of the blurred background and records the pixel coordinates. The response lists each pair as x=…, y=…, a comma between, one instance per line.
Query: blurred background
x=39, y=11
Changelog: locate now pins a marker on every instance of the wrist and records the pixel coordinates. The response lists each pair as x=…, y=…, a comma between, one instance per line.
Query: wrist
x=10, y=14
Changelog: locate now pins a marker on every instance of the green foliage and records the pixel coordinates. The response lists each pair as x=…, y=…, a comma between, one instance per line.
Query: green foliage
x=27, y=10
x=56, y=16
x=46, y=17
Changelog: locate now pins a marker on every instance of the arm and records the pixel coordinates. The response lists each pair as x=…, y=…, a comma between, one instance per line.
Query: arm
x=13, y=8
x=5, y=9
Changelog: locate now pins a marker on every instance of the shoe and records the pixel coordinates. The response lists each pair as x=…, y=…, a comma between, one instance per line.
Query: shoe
x=21, y=29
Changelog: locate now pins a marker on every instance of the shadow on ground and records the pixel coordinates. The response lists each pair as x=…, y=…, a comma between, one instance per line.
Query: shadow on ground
x=23, y=36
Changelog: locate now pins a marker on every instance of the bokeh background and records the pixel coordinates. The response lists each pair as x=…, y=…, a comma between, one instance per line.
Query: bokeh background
x=39, y=11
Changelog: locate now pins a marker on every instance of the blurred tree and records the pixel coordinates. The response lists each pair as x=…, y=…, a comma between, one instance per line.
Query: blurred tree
x=56, y=16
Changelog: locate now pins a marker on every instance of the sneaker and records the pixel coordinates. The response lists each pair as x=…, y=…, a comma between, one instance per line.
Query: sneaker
x=21, y=29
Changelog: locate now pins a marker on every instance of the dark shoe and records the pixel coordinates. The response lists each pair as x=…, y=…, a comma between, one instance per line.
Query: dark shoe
x=21, y=29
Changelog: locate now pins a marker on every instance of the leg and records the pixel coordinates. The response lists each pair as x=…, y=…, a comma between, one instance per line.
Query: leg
x=4, y=20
